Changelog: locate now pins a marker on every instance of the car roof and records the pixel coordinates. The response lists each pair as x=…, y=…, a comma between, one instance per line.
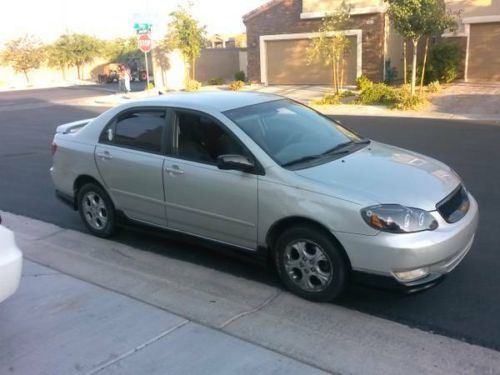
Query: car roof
x=216, y=100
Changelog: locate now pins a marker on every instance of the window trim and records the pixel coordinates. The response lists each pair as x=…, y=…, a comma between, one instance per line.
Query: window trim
x=165, y=140
x=258, y=170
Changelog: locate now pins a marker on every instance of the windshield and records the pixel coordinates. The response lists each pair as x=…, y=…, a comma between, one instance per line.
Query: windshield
x=290, y=132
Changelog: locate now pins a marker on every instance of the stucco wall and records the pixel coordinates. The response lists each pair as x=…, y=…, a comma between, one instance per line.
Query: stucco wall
x=475, y=8
x=219, y=63
x=46, y=76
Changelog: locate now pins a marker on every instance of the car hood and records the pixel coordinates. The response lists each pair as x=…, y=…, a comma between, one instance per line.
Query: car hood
x=387, y=174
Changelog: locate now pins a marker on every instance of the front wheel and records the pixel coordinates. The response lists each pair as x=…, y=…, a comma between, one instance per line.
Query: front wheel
x=310, y=264
x=96, y=210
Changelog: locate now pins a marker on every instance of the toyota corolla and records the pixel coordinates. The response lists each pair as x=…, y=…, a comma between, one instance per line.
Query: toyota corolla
x=258, y=172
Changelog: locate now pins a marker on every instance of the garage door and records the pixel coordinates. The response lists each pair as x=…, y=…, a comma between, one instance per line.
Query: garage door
x=287, y=64
x=484, y=54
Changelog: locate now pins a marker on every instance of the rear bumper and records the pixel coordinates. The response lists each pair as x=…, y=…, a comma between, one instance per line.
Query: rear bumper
x=11, y=261
x=436, y=252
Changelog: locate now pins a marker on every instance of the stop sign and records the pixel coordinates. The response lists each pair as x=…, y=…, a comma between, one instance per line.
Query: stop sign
x=144, y=43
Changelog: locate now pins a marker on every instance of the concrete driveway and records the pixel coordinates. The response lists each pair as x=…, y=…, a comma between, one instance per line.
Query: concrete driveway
x=482, y=98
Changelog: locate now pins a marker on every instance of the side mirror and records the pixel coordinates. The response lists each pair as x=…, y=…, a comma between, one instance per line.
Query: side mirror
x=235, y=162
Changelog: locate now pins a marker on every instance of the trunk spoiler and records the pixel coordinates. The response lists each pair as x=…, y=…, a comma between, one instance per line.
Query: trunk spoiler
x=72, y=127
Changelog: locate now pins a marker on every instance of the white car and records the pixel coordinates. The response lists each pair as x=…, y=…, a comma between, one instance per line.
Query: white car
x=11, y=260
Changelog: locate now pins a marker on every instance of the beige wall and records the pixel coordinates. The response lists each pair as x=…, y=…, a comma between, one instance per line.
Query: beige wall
x=394, y=49
x=48, y=76
x=220, y=63
x=310, y=6
x=474, y=8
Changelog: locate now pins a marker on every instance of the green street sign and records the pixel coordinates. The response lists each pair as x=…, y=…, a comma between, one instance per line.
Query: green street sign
x=142, y=26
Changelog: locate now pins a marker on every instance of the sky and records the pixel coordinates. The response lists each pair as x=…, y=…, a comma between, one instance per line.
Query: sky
x=108, y=19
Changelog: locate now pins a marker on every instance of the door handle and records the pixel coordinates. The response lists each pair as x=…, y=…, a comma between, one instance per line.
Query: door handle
x=174, y=170
x=105, y=155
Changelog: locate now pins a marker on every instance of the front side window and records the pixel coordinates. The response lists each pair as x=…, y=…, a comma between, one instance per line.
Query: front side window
x=141, y=130
x=291, y=133
x=199, y=138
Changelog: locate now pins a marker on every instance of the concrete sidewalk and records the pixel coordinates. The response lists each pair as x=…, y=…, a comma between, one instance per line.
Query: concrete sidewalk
x=134, y=311
x=57, y=324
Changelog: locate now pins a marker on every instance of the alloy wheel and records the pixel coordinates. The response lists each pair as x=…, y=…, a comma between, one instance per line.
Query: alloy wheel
x=95, y=210
x=308, y=266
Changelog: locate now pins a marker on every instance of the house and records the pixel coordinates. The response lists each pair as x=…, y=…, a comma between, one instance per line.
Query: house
x=280, y=32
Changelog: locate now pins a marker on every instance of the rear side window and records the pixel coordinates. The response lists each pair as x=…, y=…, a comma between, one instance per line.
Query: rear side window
x=141, y=130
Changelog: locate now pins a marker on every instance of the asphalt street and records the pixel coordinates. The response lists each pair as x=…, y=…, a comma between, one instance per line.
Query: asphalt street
x=464, y=306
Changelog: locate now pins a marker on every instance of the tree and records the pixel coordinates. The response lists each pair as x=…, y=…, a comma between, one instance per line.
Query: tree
x=332, y=44
x=77, y=50
x=410, y=20
x=240, y=40
x=59, y=54
x=121, y=49
x=23, y=54
x=186, y=34
x=437, y=20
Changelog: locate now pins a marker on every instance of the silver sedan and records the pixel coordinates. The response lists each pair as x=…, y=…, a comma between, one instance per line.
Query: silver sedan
x=264, y=174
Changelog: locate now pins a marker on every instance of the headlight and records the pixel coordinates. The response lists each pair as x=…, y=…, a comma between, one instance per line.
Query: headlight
x=395, y=218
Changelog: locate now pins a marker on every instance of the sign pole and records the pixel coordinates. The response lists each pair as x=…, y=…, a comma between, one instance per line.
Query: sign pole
x=147, y=70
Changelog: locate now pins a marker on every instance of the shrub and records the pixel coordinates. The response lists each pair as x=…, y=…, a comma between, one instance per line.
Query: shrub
x=363, y=82
x=434, y=87
x=216, y=81
x=150, y=86
x=328, y=99
x=347, y=93
x=377, y=93
x=403, y=100
x=444, y=60
x=193, y=85
x=240, y=76
x=236, y=85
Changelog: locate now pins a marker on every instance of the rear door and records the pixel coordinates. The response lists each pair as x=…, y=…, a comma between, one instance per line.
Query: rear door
x=130, y=159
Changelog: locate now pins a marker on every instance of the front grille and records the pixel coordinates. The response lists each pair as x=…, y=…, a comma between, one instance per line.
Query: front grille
x=454, y=206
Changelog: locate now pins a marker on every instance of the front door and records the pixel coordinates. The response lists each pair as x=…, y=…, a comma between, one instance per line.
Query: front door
x=202, y=199
x=130, y=162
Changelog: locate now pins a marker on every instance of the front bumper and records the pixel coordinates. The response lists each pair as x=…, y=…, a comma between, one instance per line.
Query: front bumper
x=11, y=260
x=438, y=251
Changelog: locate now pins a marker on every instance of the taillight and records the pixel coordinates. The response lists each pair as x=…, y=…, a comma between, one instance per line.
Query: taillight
x=53, y=148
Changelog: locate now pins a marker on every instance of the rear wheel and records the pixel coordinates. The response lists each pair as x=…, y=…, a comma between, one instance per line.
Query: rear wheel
x=96, y=210
x=310, y=264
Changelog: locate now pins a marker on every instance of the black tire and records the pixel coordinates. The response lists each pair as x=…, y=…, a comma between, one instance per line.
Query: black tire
x=332, y=264
x=103, y=211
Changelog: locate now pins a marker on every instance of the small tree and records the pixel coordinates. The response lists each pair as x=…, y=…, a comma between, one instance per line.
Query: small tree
x=332, y=44
x=186, y=34
x=437, y=20
x=410, y=20
x=23, y=55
